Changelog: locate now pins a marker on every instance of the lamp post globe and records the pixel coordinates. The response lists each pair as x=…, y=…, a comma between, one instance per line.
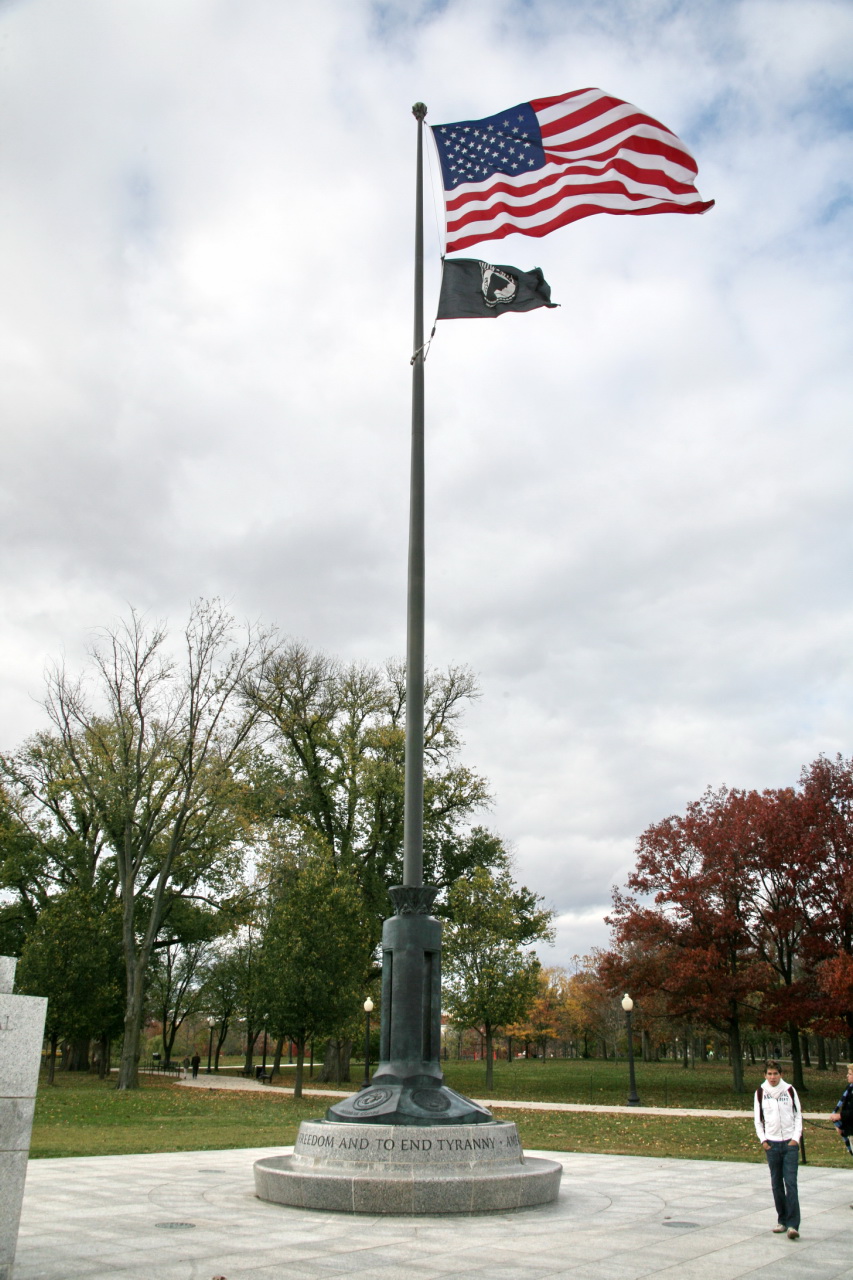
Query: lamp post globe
x=368, y=1009
x=628, y=1005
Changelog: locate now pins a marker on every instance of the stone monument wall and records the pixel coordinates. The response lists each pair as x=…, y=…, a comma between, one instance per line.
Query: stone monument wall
x=21, y=1034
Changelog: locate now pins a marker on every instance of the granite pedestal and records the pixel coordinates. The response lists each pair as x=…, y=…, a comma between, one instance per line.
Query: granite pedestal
x=397, y=1169
x=21, y=1034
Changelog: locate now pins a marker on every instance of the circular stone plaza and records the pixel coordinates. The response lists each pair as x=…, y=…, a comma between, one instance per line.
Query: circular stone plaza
x=195, y=1216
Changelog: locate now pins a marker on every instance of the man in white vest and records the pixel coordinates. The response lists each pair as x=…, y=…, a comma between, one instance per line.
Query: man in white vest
x=779, y=1125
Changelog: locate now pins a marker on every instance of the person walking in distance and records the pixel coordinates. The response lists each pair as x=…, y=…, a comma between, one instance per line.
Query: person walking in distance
x=779, y=1125
x=196, y=1061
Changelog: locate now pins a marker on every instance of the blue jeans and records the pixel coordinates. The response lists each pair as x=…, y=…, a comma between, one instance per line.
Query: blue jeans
x=783, y=1160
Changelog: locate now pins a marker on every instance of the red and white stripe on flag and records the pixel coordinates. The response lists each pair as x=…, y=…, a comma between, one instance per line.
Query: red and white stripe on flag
x=598, y=155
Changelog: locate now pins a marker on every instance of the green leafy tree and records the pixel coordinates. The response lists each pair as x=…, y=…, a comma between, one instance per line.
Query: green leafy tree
x=21, y=893
x=490, y=980
x=221, y=992
x=331, y=776
x=314, y=954
x=333, y=768
x=72, y=956
x=50, y=840
x=176, y=987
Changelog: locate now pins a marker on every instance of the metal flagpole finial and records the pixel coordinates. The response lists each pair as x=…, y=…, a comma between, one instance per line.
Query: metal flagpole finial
x=419, y=110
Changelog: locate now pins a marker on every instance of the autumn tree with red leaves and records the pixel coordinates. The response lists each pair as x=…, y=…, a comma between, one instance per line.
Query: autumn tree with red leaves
x=741, y=910
x=828, y=946
x=787, y=869
x=692, y=943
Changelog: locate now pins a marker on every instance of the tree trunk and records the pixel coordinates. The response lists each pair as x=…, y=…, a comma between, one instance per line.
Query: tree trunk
x=736, y=1051
x=78, y=1055
x=276, y=1062
x=128, y=1070
x=804, y=1048
x=300, y=1064
x=821, y=1053
x=221, y=1037
x=248, y=1064
x=336, y=1062
x=51, y=1062
x=169, y=1040
x=490, y=1075
x=796, y=1058
x=104, y=1060
x=735, y=1055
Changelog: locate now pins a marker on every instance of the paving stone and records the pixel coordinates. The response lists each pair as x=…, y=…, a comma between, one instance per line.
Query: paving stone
x=94, y=1218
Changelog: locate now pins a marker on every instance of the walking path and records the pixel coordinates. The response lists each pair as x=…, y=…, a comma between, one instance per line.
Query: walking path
x=241, y=1082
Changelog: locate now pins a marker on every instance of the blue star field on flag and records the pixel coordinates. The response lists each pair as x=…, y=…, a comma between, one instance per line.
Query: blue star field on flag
x=473, y=150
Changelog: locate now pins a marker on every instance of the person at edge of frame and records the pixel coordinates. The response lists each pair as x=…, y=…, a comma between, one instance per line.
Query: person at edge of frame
x=842, y=1116
x=779, y=1126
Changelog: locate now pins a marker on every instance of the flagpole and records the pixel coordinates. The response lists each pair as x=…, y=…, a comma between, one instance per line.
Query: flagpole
x=413, y=820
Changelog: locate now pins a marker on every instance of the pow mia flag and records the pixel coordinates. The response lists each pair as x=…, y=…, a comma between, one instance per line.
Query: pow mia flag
x=473, y=290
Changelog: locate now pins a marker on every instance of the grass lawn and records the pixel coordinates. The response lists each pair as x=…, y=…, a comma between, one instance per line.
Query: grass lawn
x=659, y=1084
x=82, y=1116
x=686, y=1137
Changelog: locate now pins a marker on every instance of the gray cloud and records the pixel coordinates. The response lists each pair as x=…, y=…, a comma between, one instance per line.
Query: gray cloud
x=639, y=530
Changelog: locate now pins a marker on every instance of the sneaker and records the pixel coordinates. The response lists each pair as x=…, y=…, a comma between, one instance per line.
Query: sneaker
x=793, y=1233
x=779, y=1229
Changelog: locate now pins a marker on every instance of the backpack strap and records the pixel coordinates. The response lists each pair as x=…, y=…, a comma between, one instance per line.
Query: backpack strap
x=793, y=1097
x=758, y=1098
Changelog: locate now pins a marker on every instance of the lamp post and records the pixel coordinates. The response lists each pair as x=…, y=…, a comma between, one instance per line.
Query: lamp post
x=264, y=1064
x=368, y=1009
x=211, y=1022
x=244, y=1024
x=628, y=1005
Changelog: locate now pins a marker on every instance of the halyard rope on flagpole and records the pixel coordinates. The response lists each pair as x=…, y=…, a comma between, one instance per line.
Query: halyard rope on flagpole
x=441, y=237
x=426, y=345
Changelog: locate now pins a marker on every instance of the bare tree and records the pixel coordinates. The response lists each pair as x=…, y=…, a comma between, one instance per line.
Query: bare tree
x=157, y=745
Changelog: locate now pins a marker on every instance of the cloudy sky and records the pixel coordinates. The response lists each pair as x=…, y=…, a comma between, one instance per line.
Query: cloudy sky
x=639, y=505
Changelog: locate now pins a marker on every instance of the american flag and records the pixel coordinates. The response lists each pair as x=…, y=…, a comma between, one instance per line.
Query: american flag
x=551, y=161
